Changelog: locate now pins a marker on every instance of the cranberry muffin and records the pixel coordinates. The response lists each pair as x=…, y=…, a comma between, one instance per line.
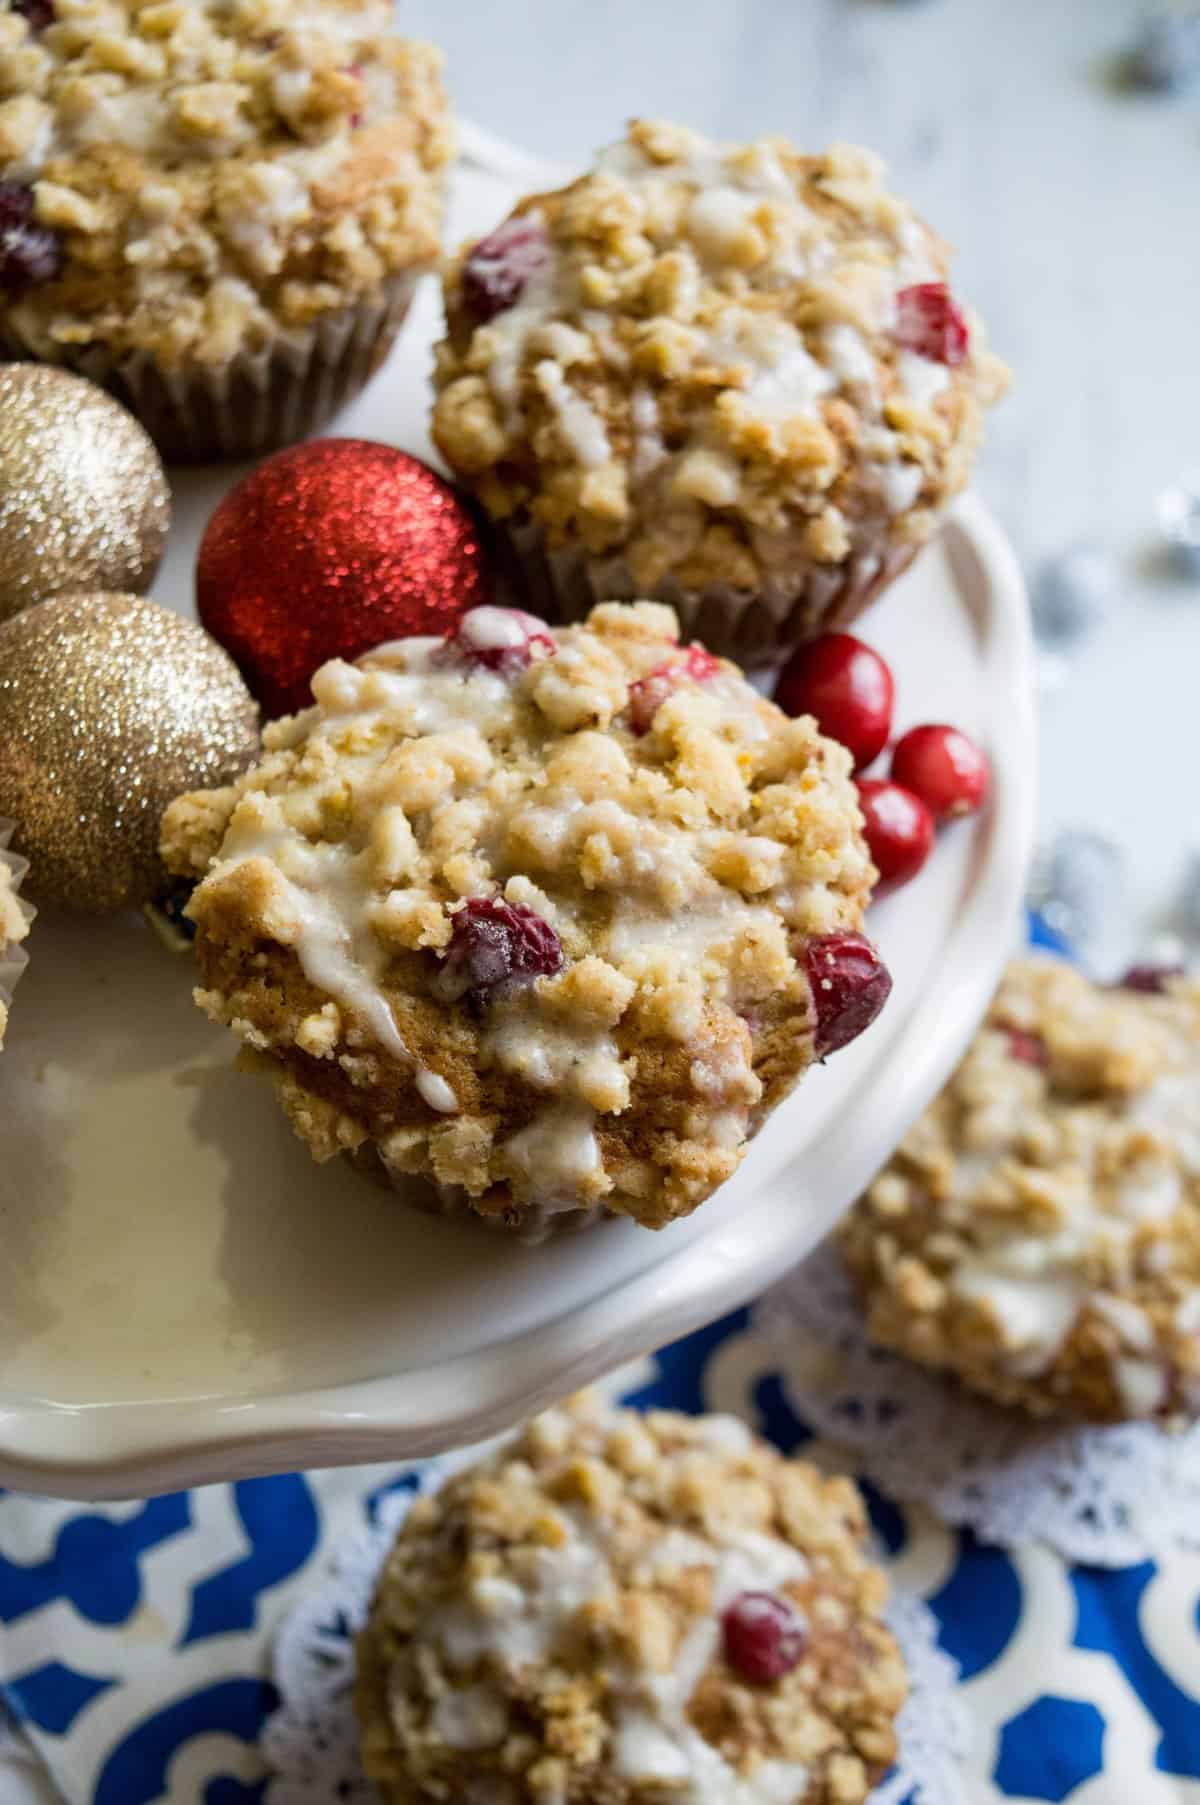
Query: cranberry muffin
x=1038, y=1233
x=618, y=1610
x=551, y=917
x=218, y=211
x=730, y=377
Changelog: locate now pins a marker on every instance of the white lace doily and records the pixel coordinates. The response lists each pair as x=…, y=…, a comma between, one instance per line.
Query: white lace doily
x=311, y=1742
x=1105, y=1496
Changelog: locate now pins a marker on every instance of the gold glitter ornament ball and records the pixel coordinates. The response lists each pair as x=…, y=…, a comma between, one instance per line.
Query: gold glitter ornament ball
x=110, y=706
x=84, y=502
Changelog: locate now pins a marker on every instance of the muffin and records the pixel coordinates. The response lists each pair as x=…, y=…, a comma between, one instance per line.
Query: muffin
x=1038, y=1233
x=731, y=378
x=619, y=1610
x=552, y=918
x=15, y=917
x=218, y=211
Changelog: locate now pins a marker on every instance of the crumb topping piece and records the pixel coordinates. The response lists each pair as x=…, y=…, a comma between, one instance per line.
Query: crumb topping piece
x=202, y=176
x=1038, y=1232
x=533, y=938
x=715, y=359
x=627, y=1608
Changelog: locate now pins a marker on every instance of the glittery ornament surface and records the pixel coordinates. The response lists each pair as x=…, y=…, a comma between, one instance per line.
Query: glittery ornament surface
x=327, y=550
x=1073, y=593
x=84, y=502
x=110, y=706
x=1179, y=522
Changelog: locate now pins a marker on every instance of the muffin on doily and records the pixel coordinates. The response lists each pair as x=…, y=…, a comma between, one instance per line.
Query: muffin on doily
x=15, y=918
x=551, y=917
x=1038, y=1232
x=622, y=1610
x=731, y=378
x=218, y=211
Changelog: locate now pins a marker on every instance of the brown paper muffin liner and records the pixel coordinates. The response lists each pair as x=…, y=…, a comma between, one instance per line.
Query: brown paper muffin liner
x=13, y=957
x=529, y=1225
x=563, y=583
x=260, y=400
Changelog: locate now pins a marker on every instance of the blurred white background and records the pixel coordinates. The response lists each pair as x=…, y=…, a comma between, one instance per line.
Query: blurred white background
x=1075, y=209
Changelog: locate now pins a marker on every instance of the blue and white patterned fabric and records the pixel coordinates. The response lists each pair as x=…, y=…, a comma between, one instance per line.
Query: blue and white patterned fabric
x=136, y=1638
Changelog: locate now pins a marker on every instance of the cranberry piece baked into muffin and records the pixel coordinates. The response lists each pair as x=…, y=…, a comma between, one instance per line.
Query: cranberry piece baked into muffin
x=620, y=1610
x=218, y=210
x=15, y=917
x=730, y=377
x=551, y=917
x=1038, y=1233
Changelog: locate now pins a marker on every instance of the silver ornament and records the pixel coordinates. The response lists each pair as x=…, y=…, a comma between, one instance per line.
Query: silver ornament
x=1185, y=915
x=1165, y=56
x=1079, y=889
x=1178, y=511
x=1074, y=592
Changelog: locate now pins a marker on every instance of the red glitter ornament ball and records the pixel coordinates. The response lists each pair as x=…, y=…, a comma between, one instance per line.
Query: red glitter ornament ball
x=328, y=549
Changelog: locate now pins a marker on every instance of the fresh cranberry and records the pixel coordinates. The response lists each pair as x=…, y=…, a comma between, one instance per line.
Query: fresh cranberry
x=944, y=768
x=1151, y=980
x=497, y=269
x=847, y=687
x=849, y=984
x=1026, y=1048
x=496, y=946
x=29, y=253
x=930, y=322
x=899, y=830
x=500, y=639
x=39, y=13
x=646, y=696
x=764, y=1637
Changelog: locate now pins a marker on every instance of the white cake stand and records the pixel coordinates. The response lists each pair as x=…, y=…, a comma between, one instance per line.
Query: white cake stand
x=184, y=1297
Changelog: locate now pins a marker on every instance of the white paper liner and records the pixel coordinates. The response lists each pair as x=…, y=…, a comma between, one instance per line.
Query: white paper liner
x=756, y=629
x=260, y=400
x=312, y=1741
x=13, y=957
x=1102, y=1496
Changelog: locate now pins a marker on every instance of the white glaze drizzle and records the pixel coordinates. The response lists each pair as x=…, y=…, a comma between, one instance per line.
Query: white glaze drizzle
x=1036, y=1284
x=653, y=1739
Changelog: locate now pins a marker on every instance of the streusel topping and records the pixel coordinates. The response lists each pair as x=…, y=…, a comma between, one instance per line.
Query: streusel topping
x=14, y=922
x=1039, y=1229
x=209, y=174
x=559, y=1619
x=715, y=358
x=537, y=904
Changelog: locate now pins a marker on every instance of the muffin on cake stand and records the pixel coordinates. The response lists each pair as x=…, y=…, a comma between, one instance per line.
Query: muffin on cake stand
x=292, y=1315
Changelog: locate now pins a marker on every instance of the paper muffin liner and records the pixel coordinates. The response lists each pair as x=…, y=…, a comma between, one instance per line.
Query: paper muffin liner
x=532, y=1225
x=563, y=583
x=13, y=957
x=260, y=400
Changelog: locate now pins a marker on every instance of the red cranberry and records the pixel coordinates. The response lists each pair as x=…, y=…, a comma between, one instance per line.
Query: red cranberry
x=944, y=768
x=29, y=253
x=500, y=639
x=1151, y=980
x=764, y=1637
x=497, y=269
x=496, y=946
x=847, y=687
x=39, y=13
x=849, y=984
x=1026, y=1048
x=899, y=830
x=648, y=694
x=929, y=322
